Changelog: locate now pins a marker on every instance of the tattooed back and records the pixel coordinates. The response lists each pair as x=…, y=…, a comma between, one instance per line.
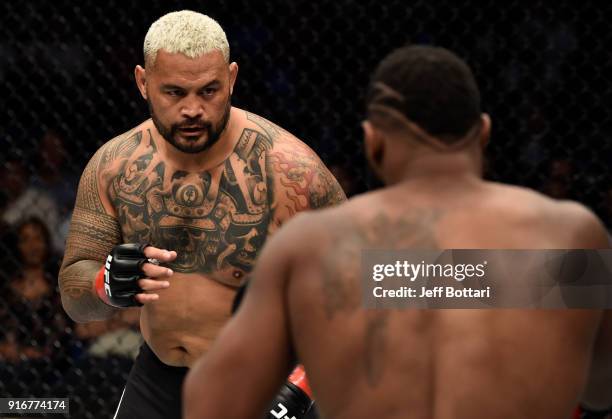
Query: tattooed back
x=435, y=363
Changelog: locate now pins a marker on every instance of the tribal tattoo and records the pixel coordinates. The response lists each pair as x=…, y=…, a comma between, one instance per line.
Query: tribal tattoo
x=93, y=233
x=216, y=220
x=341, y=272
x=307, y=183
x=414, y=229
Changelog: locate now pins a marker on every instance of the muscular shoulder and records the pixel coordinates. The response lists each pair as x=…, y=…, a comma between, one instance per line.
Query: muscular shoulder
x=275, y=133
x=282, y=141
x=105, y=163
x=574, y=224
x=301, y=180
x=584, y=228
x=120, y=148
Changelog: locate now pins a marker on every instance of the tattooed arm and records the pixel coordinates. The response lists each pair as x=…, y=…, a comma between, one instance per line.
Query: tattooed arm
x=94, y=231
x=299, y=178
x=323, y=190
x=301, y=181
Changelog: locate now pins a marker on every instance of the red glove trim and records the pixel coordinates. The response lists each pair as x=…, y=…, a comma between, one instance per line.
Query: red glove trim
x=299, y=379
x=99, y=285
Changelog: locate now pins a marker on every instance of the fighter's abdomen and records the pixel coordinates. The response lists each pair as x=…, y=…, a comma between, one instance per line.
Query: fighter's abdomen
x=182, y=324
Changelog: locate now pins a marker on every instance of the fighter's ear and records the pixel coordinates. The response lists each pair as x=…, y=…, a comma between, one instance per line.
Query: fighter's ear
x=233, y=70
x=374, y=145
x=141, y=80
x=485, y=131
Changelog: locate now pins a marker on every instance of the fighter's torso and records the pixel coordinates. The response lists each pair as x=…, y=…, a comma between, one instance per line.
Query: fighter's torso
x=217, y=221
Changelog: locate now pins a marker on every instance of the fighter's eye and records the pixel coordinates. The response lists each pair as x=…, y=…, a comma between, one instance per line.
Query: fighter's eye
x=174, y=92
x=209, y=91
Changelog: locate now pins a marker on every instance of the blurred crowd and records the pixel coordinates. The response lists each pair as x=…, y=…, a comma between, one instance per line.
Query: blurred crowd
x=43, y=353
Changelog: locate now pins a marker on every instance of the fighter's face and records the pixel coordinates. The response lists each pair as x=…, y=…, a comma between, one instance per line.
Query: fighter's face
x=189, y=99
x=32, y=245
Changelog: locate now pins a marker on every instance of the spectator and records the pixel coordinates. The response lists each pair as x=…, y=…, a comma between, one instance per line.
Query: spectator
x=24, y=200
x=36, y=335
x=54, y=172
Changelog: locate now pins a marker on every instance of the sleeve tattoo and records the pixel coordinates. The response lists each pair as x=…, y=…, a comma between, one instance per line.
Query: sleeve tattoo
x=93, y=233
x=306, y=182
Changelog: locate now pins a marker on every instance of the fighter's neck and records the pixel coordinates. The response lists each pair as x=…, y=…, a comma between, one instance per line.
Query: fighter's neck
x=438, y=168
x=204, y=160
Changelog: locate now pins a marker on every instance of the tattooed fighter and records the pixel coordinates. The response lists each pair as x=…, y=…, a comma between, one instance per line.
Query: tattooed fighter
x=178, y=208
x=424, y=137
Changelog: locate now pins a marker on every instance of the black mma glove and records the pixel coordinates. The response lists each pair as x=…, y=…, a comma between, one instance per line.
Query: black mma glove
x=586, y=413
x=117, y=281
x=293, y=401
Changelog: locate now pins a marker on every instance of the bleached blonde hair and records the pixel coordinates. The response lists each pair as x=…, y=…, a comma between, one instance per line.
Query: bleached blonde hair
x=189, y=33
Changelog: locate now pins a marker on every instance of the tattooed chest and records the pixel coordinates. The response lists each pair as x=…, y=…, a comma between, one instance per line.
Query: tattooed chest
x=216, y=220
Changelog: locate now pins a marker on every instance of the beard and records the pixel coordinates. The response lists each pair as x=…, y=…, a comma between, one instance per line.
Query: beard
x=191, y=146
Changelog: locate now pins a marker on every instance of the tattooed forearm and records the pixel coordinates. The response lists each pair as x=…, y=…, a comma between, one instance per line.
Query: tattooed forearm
x=78, y=297
x=92, y=236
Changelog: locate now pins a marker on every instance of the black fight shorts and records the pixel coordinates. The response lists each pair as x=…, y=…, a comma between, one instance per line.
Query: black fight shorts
x=153, y=389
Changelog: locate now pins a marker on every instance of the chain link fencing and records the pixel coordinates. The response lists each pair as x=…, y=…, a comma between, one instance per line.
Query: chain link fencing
x=67, y=74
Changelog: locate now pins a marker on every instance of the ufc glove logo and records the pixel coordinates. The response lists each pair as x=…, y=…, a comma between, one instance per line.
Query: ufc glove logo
x=281, y=413
x=107, y=265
